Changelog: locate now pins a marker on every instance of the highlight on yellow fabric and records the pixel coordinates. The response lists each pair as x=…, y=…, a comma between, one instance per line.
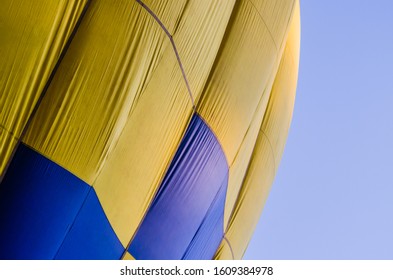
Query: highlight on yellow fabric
x=242, y=70
x=238, y=167
x=33, y=35
x=235, y=96
x=268, y=149
x=276, y=16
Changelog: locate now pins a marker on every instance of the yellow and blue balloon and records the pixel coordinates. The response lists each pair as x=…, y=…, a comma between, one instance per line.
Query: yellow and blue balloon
x=141, y=129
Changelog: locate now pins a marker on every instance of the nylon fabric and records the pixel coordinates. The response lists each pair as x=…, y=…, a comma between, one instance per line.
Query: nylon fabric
x=91, y=237
x=39, y=201
x=114, y=54
x=242, y=158
x=143, y=152
x=234, y=90
x=269, y=147
x=275, y=15
x=151, y=102
x=224, y=251
x=190, y=199
x=69, y=116
x=33, y=34
x=209, y=234
x=7, y=145
x=250, y=201
x=198, y=37
x=278, y=116
x=160, y=118
x=235, y=99
x=169, y=12
x=128, y=256
x=48, y=213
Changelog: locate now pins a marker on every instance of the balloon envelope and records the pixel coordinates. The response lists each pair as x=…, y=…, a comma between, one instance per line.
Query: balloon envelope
x=141, y=129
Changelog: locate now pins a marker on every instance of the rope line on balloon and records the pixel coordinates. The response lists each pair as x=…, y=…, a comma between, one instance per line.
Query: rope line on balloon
x=230, y=247
x=271, y=149
x=264, y=22
x=174, y=49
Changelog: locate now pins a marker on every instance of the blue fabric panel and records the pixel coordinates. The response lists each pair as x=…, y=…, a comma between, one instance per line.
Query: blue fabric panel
x=191, y=184
x=39, y=201
x=209, y=235
x=91, y=236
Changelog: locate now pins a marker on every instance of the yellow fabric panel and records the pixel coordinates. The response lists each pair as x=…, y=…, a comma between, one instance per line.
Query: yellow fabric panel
x=238, y=168
x=7, y=145
x=134, y=169
x=238, y=80
x=128, y=256
x=276, y=15
x=107, y=67
x=198, y=37
x=269, y=146
x=239, y=165
x=252, y=197
x=33, y=34
x=278, y=115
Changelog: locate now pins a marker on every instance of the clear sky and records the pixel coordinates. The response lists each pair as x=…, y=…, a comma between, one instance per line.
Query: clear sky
x=333, y=194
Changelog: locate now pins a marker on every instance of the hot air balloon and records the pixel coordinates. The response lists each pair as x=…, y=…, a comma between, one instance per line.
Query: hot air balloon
x=141, y=129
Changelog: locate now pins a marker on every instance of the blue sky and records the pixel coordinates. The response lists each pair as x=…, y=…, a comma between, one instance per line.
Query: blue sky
x=333, y=194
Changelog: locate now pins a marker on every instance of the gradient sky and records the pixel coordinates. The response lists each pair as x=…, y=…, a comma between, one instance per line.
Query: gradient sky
x=333, y=194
